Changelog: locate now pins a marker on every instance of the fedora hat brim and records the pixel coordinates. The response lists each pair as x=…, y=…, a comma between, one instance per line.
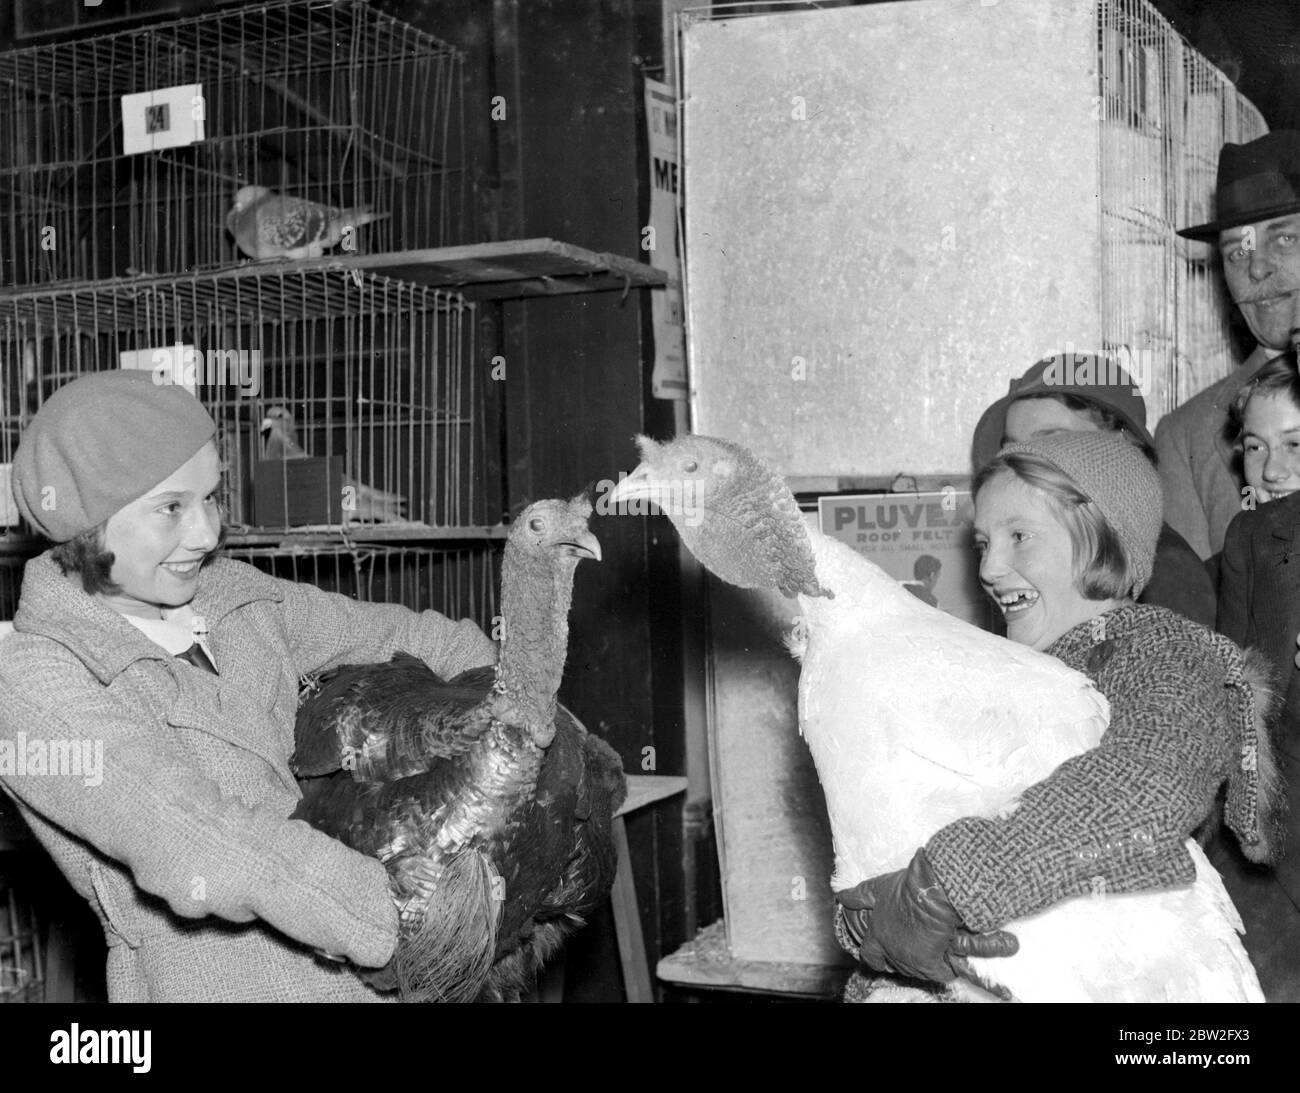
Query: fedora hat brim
x=1209, y=233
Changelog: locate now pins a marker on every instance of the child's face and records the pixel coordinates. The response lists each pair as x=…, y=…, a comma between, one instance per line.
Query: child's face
x=159, y=540
x=1027, y=563
x=1271, y=445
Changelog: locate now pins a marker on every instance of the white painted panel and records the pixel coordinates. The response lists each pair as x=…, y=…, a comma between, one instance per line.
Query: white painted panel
x=903, y=196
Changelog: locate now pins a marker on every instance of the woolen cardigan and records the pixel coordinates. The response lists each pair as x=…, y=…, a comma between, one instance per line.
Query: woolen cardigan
x=206, y=891
x=1187, y=714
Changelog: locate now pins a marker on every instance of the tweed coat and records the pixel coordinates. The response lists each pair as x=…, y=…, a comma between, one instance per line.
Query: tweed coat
x=206, y=891
x=1185, y=712
x=1198, y=473
x=1259, y=604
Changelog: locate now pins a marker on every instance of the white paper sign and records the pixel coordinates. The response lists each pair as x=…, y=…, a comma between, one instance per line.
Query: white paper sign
x=669, y=377
x=922, y=540
x=167, y=117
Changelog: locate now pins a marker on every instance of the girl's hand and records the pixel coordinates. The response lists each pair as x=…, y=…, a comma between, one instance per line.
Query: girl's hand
x=903, y=923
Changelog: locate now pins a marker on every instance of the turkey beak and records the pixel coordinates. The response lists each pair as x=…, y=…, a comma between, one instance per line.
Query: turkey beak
x=585, y=545
x=636, y=484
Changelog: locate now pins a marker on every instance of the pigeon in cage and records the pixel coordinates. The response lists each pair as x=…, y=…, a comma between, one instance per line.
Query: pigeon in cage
x=364, y=504
x=269, y=225
x=490, y=805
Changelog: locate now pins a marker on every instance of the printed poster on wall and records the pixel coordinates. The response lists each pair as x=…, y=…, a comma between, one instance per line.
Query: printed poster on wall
x=669, y=377
x=922, y=540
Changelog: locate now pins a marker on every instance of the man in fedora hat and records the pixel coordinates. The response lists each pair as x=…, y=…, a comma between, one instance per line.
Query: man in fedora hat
x=1257, y=229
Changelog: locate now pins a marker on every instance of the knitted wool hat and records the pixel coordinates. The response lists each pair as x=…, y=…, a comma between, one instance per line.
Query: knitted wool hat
x=101, y=442
x=1119, y=479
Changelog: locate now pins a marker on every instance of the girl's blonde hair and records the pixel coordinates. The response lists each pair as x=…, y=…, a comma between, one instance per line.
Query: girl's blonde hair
x=1102, y=569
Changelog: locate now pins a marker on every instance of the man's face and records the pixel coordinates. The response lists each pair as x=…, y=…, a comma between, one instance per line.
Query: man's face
x=1261, y=263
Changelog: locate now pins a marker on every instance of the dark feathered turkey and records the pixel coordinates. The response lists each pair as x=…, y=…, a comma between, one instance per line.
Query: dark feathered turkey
x=486, y=800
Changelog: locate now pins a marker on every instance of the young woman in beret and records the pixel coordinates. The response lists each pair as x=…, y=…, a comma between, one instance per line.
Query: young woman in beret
x=134, y=633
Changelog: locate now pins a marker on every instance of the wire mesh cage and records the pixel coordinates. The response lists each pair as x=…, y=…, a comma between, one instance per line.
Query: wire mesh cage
x=122, y=153
x=341, y=399
x=460, y=582
x=1165, y=113
x=22, y=957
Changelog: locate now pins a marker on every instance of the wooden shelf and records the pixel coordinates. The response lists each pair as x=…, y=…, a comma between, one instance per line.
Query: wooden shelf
x=330, y=535
x=708, y=964
x=327, y=287
x=288, y=540
x=510, y=269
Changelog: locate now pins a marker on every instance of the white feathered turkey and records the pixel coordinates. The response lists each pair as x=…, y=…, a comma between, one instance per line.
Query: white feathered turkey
x=916, y=719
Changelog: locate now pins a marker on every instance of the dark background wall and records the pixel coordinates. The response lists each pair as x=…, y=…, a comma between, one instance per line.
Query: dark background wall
x=565, y=162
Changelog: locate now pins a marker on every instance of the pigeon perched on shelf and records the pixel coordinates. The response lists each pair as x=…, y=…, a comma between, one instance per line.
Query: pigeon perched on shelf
x=269, y=225
x=364, y=505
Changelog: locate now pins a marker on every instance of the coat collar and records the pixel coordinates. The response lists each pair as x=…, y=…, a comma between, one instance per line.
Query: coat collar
x=57, y=608
x=1117, y=622
x=1283, y=517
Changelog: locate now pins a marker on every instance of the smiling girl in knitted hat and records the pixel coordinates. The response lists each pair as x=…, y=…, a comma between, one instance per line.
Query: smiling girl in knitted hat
x=1073, y=392
x=132, y=631
x=1066, y=528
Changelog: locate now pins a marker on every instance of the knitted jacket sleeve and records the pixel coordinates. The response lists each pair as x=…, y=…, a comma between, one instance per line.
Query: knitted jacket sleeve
x=199, y=849
x=1114, y=818
x=326, y=629
x=1234, y=619
x=1184, y=511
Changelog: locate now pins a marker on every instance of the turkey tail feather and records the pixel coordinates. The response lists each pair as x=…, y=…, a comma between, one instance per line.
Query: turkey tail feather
x=448, y=958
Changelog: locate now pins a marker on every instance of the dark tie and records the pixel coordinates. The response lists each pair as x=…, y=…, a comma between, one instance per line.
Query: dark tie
x=196, y=656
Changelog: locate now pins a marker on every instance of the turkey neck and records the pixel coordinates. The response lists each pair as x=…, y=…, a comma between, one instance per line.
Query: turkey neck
x=536, y=592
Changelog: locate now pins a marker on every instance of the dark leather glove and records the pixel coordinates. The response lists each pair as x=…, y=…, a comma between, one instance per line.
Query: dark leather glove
x=903, y=923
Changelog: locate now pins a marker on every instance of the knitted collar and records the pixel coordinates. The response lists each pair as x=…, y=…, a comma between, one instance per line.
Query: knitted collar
x=1128, y=618
x=56, y=608
x=1116, y=622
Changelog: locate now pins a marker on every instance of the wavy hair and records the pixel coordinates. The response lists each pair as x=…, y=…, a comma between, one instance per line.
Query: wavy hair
x=1102, y=569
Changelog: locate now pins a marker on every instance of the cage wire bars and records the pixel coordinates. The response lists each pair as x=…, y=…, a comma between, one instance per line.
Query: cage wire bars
x=366, y=381
x=1165, y=112
x=326, y=100
x=111, y=258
